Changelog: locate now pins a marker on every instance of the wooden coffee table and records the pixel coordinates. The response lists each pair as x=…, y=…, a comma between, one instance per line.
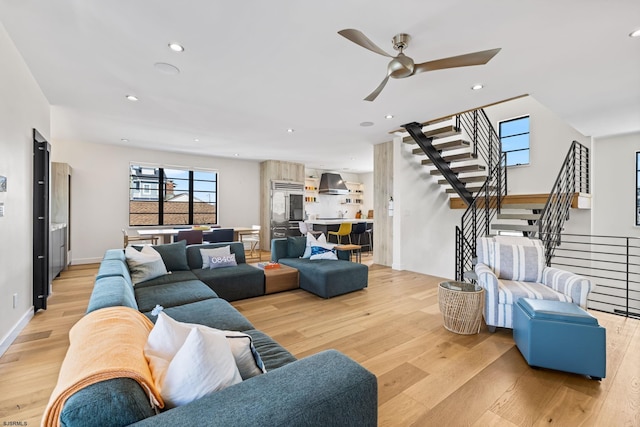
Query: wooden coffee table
x=280, y=279
x=357, y=249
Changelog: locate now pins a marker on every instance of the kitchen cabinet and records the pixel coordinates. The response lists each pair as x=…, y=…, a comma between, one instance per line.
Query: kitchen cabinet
x=57, y=250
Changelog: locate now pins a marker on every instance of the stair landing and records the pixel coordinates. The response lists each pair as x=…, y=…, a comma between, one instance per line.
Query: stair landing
x=578, y=201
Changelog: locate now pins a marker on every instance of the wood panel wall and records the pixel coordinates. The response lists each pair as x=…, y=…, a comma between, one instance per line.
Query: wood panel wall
x=383, y=190
x=274, y=170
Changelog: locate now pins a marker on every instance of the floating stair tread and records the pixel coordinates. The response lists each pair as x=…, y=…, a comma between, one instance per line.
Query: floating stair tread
x=471, y=189
x=453, y=158
x=529, y=206
x=442, y=146
x=466, y=179
x=459, y=169
x=514, y=227
x=523, y=216
x=442, y=132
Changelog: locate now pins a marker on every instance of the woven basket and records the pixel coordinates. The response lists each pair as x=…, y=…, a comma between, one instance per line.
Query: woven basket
x=461, y=306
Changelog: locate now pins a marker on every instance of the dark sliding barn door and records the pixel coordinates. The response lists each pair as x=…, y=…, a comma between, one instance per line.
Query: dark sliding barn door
x=41, y=164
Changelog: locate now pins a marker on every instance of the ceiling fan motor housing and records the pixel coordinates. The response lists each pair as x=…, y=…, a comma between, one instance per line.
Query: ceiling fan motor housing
x=400, y=41
x=400, y=66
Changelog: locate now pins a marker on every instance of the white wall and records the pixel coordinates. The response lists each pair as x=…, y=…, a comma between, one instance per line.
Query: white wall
x=550, y=139
x=614, y=185
x=22, y=108
x=100, y=191
x=424, y=226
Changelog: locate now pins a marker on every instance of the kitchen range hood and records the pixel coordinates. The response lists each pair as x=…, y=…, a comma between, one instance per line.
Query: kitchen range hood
x=332, y=183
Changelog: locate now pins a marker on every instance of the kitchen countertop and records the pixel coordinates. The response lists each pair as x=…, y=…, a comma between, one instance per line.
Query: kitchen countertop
x=338, y=221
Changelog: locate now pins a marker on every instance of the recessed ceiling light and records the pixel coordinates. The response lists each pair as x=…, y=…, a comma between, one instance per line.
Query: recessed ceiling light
x=477, y=87
x=176, y=47
x=196, y=140
x=635, y=33
x=236, y=154
x=132, y=97
x=389, y=116
x=165, y=68
x=366, y=124
x=125, y=140
x=291, y=130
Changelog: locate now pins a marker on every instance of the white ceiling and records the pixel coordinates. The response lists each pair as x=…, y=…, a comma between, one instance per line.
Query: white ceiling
x=252, y=69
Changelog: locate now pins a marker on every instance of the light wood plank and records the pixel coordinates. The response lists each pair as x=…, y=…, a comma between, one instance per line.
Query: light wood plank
x=427, y=376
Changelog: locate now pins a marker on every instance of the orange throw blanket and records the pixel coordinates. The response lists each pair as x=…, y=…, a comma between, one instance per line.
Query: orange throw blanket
x=105, y=344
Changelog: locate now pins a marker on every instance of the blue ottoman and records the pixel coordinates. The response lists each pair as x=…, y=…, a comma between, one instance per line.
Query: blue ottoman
x=560, y=335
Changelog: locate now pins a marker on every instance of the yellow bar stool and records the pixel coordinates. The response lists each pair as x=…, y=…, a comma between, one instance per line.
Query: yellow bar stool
x=344, y=230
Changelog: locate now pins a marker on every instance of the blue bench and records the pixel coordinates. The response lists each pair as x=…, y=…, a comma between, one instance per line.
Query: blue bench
x=560, y=335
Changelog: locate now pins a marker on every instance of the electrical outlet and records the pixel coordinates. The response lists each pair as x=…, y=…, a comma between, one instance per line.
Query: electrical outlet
x=15, y=300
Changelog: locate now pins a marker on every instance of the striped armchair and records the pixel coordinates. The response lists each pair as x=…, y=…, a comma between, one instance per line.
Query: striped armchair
x=515, y=268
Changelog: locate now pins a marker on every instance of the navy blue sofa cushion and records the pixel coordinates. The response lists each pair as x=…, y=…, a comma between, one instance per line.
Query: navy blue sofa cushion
x=172, y=294
x=233, y=283
x=214, y=312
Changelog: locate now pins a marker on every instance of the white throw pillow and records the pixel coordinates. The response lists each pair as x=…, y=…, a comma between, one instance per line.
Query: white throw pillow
x=312, y=241
x=202, y=365
x=168, y=336
x=186, y=365
x=213, y=252
x=145, y=264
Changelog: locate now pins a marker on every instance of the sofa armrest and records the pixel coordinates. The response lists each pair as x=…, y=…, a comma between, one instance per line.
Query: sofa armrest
x=279, y=249
x=327, y=388
x=575, y=286
x=489, y=281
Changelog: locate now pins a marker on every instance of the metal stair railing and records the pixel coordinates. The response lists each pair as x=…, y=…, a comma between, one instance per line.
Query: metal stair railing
x=476, y=220
x=572, y=178
x=485, y=140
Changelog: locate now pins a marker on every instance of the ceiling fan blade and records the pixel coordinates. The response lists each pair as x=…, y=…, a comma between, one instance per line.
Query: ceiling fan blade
x=475, y=58
x=358, y=38
x=373, y=95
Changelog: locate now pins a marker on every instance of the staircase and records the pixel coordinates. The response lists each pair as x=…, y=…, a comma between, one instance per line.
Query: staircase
x=460, y=149
x=465, y=151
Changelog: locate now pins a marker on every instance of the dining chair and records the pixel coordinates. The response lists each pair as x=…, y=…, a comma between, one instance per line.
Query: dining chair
x=128, y=239
x=344, y=230
x=219, y=235
x=193, y=237
x=253, y=238
x=306, y=228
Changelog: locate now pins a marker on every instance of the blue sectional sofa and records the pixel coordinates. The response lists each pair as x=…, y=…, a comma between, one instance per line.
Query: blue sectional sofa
x=323, y=277
x=324, y=389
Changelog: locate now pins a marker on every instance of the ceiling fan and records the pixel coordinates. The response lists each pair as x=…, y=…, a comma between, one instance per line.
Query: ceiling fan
x=403, y=66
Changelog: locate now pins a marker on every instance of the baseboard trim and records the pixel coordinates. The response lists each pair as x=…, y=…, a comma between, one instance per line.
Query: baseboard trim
x=8, y=339
x=78, y=261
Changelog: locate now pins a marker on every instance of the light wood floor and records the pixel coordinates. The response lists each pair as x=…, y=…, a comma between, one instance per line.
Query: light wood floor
x=427, y=376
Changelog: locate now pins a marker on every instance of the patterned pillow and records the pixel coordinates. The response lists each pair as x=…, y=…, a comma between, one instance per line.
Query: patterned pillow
x=222, y=261
x=517, y=262
x=319, y=252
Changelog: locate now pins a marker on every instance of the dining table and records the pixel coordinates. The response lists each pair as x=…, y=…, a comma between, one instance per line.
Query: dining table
x=166, y=235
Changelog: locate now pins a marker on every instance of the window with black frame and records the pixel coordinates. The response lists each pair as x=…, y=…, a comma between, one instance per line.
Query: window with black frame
x=514, y=136
x=172, y=196
x=637, y=187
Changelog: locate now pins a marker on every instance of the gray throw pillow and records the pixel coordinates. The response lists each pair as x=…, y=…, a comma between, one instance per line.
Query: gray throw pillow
x=174, y=255
x=220, y=261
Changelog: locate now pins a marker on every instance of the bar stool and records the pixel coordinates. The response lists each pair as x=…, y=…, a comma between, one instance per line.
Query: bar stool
x=344, y=230
x=358, y=231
